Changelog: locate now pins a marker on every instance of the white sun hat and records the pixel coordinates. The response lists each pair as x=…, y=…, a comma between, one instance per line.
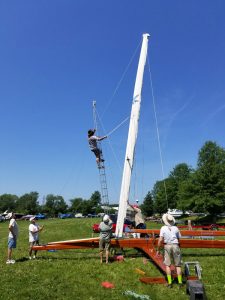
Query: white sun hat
x=32, y=218
x=168, y=220
x=8, y=216
x=106, y=218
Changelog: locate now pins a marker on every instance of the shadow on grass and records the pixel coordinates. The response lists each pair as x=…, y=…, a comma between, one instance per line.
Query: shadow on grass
x=203, y=254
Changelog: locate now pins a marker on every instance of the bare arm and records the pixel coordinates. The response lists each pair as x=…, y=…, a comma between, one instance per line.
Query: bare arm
x=160, y=241
x=102, y=138
x=11, y=230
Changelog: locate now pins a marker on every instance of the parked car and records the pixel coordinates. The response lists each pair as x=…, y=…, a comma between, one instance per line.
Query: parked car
x=92, y=216
x=40, y=216
x=79, y=215
x=127, y=223
x=26, y=217
x=65, y=216
x=2, y=218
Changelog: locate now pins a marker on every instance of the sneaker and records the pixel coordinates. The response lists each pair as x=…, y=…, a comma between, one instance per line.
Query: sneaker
x=169, y=286
x=10, y=261
x=30, y=257
x=34, y=257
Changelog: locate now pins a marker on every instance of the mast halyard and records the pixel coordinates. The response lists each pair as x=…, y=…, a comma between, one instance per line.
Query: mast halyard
x=132, y=137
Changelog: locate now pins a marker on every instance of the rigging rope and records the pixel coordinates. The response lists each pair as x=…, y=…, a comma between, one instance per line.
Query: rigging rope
x=121, y=79
x=157, y=130
x=95, y=116
x=118, y=126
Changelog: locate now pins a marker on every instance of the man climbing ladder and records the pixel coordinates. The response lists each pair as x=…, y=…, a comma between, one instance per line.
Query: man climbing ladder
x=93, y=143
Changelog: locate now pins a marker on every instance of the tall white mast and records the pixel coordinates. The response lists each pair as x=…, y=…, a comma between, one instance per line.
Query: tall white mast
x=132, y=137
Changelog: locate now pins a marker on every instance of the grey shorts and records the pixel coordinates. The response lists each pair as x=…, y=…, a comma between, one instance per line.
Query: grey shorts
x=172, y=252
x=103, y=244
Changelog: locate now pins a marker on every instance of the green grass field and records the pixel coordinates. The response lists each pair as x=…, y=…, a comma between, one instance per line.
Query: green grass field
x=78, y=274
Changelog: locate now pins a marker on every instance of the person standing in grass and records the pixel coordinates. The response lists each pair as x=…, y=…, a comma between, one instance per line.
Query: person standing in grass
x=105, y=228
x=34, y=230
x=12, y=237
x=170, y=235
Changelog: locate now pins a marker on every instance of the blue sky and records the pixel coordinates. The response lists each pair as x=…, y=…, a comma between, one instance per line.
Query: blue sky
x=58, y=56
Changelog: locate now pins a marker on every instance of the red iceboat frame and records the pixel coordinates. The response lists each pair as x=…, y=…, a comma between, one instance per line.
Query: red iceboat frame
x=146, y=245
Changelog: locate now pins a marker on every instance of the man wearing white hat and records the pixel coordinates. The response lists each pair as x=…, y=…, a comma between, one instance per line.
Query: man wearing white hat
x=34, y=230
x=170, y=235
x=105, y=228
x=13, y=235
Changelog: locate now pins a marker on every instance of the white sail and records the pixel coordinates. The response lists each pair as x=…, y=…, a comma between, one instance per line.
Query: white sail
x=132, y=137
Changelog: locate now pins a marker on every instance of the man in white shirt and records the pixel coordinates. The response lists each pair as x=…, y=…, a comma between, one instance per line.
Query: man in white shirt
x=34, y=230
x=170, y=235
x=12, y=237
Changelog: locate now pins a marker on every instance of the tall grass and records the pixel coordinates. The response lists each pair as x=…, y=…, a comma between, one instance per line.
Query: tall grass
x=78, y=274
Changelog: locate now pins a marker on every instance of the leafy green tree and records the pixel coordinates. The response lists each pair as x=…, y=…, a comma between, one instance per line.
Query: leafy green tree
x=188, y=194
x=210, y=178
x=76, y=204
x=55, y=205
x=95, y=198
x=166, y=192
x=87, y=207
x=8, y=202
x=204, y=191
x=95, y=202
x=148, y=207
x=159, y=197
x=28, y=203
x=180, y=174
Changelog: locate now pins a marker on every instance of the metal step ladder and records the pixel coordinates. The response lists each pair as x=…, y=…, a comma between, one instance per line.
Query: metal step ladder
x=103, y=183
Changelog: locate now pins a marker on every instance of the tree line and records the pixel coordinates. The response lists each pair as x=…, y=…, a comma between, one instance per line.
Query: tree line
x=54, y=204
x=200, y=190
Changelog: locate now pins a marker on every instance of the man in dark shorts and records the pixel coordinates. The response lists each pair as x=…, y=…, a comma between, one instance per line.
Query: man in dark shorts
x=93, y=143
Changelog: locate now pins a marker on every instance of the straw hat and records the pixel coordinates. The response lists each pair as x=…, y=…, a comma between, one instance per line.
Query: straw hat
x=168, y=220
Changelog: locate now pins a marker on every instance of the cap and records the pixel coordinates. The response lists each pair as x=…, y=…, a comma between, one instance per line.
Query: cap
x=106, y=218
